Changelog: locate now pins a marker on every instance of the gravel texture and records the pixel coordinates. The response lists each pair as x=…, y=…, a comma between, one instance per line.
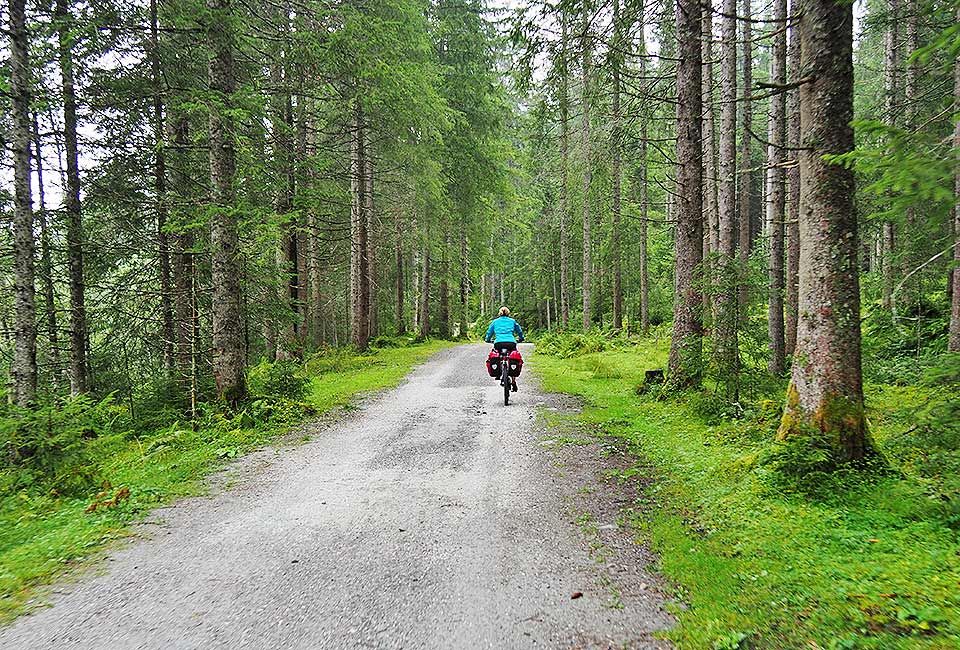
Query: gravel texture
x=431, y=517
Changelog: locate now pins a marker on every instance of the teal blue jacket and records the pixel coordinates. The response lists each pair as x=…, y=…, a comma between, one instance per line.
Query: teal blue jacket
x=503, y=329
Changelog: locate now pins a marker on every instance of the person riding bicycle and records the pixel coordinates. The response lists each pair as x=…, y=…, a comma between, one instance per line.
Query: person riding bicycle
x=506, y=332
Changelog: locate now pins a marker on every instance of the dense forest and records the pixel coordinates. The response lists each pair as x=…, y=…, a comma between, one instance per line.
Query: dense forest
x=201, y=198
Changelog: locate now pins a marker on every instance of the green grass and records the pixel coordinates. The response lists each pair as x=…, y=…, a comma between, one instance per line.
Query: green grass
x=874, y=565
x=43, y=535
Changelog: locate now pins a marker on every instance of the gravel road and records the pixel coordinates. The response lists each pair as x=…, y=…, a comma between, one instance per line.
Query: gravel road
x=431, y=517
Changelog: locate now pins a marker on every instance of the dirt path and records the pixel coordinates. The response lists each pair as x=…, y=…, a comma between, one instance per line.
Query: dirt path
x=432, y=518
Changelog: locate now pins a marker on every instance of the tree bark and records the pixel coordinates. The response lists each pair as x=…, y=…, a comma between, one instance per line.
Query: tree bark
x=371, y=255
x=359, y=272
x=464, y=276
x=72, y=208
x=687, y=343
x=793, y=184
x=954, y=340
x=160, y=189
x=587, y=164
x=711, y=238
x=23, y=368
x=615, y=169
x=726, y=272
x=644, y=255
x=46, y=267
x=891, y=65
x=745, y=177
x=826, y=386
x=229, y=362
x=424, y=298
x=184, y=307
x=564, y=173
x=401, y=324
x=776, y=199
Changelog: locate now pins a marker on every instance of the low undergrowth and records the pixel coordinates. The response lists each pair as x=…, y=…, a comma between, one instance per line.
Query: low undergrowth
x=74, y=475
x=864, y=559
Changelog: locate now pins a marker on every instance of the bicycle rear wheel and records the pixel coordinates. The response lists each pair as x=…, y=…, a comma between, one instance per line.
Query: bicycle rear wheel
x=505, y=381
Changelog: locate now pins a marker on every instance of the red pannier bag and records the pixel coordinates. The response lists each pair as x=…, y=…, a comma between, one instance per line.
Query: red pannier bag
x=493, y=364
x=516, y=363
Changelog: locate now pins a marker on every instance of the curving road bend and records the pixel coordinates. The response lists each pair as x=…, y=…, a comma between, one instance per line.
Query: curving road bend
x=432, y=517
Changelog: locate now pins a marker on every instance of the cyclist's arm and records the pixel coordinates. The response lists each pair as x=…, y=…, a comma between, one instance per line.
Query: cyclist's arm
x=489, y=336
x=518, y=330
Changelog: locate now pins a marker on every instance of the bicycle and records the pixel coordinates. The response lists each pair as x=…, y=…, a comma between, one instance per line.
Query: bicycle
x=509, y=367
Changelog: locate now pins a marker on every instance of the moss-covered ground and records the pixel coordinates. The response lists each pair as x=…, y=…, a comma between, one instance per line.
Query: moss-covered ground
x=871, y=562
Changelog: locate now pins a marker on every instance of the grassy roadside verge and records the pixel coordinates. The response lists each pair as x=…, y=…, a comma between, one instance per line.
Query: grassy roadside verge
x=876, y=565
x=43, y=535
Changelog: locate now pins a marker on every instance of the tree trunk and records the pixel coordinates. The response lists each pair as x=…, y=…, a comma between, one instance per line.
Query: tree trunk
x=776, y=199
x=564, y=173
x=229, y=362
x=793, y=197
x=160, y=189
x=424, y=298
x=745, y=210
x=615, y=169
x=78, y=312
x=954, y=341
x=183, y=265
x=686, y=344
x=826, y=386
x=401, y=324
x=359, y=272
x=726, y=274
x=644, y=211
x=46, y=267
x=23, y=368
x=444, y=315
x=464, y=276
x=891, y=65
x=587, y=163
x=371, y=237
x=711, y=238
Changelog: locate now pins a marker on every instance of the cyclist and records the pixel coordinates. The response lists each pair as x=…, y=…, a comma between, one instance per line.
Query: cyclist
x=506, y=332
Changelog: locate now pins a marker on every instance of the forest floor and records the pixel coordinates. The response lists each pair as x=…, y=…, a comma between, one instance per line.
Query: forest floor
x=872, y=561
x=428, y=516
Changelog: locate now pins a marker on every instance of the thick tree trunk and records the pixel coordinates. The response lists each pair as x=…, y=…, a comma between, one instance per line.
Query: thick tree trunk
x=587, y=164
x=776, y=199
x=954, y=341
x=746, y=116
x=564, y=173
x=229, y=362
x=46, y=268
x=23, y=368
x=793, y=197
x=359, y=272
x=726, y=274
x=711, y=239
x=826, y=386
x=687, y=342
x=160, y=189
x=78, y=312
x=615, y=170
